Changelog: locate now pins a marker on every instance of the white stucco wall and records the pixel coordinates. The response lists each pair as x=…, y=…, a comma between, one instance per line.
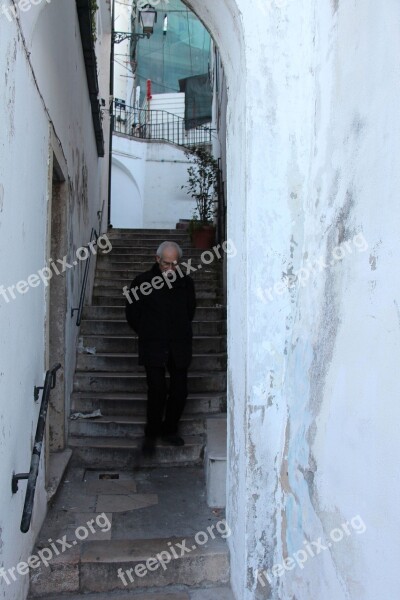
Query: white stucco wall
x=43, y=107
x=123, y=82
x=313, y=145
x=146, y=184
x=172, y=103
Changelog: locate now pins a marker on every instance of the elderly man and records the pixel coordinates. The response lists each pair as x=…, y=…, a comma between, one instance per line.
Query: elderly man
x=160, y=307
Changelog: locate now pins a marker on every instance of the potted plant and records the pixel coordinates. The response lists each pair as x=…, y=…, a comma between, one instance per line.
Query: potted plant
x=202, y=186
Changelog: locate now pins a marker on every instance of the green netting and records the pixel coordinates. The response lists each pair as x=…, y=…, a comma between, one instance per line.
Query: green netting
x=183, y=52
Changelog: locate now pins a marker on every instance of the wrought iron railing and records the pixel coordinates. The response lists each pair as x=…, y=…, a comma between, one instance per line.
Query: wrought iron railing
x=159, y=125
x=49, y=384
x=79, y=308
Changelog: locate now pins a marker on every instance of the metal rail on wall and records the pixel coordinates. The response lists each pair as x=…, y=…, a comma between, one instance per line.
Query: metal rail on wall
x=49, y=384
x=79, y=309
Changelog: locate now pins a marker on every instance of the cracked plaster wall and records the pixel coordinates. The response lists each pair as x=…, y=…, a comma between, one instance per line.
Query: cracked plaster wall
x=25, y=140
x=313, y=136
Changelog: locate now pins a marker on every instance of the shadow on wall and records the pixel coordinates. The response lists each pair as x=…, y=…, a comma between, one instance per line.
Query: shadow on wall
x=126, y=199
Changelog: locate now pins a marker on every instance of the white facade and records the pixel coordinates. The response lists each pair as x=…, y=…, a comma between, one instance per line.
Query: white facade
x=146, y=184
x=52, y=185
x=124, y=79
x=313, y=146
x=172, y=103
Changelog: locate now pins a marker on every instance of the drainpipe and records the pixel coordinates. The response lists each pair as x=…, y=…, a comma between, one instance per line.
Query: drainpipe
x=111, y=112
x=148, y=98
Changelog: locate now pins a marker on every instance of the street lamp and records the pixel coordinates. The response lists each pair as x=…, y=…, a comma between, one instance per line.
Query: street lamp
x=147, y=19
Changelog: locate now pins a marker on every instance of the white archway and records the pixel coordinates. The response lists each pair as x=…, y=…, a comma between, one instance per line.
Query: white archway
x=127, y=204
x=312, y=112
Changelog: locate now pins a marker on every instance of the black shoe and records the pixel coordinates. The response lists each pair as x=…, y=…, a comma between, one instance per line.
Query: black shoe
x=149, y=446
x=173, y=440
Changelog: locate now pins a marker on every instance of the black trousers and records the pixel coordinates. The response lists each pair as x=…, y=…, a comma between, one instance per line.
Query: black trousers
x=165, y=409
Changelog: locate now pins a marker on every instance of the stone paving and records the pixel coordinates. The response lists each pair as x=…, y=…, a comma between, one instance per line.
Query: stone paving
x=133, y=515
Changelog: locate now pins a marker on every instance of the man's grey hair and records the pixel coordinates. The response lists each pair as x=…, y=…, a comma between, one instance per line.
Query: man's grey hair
x=166, y=245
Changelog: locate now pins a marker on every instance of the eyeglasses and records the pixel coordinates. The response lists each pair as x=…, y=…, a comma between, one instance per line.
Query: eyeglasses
x=169, y=264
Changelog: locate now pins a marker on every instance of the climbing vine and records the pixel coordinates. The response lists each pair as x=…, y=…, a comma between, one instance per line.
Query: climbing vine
x=93, y=7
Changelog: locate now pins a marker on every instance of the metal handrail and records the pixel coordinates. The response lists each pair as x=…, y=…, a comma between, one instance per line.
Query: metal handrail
x=84, y=282
x=159, y=125
x=49, y=384
x=221, y=212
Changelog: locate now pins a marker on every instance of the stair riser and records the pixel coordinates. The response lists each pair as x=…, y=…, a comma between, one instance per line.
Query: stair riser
x=116, y=292
x=107, y=300
x=154, y=242
x=123, y=345
x=115, y=273
x=124, y=459
x=118, y=284
x=125, y=408
x=121, y=328
x=85, y=427
x=146, y=261
x=131, y=263
x=154, y=238
x=118, y=312
x=143, y=253
x=192, y=571
x=137, y=231
x=216, y=382
x=90, y=362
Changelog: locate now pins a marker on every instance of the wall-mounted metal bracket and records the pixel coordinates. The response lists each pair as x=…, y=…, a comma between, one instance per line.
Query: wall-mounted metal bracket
x=36, y=391
x=15, y=479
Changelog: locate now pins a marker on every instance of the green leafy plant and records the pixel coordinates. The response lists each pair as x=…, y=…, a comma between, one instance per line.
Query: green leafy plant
x=202, y=185
x=93, y=7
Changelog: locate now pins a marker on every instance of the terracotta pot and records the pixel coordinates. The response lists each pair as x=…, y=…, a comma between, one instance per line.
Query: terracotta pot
x=204, y=238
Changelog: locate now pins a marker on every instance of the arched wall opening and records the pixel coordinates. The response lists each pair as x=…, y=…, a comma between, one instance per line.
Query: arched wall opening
x=311, y=115
x=224, y=22
x=127, y=205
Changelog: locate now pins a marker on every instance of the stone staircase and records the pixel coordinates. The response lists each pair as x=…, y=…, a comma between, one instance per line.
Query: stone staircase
x=108, y=378
x=151, y=504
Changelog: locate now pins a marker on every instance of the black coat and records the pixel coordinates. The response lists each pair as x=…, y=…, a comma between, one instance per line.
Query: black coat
x=162, y=318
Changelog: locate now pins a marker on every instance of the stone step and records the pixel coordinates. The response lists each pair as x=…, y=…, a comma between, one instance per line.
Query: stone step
x=126, y=261
x=123, y=426
x=121, y=327
x=207, y=285
x=128, y=362
x=142, y=230
x=208, y=313
x=97, y=566
x=150, y=244
x=214, y=295
x=114, y=300
x=168, y=593
x=159, y=236
x=144, y=254
x=93, y=344
x=156, y=240
x=97, y=381
x=125, y=453
x=129, y=271
x=127, y=404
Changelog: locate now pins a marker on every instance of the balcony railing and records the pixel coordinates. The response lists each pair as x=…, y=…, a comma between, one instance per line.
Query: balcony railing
x=159, y=125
